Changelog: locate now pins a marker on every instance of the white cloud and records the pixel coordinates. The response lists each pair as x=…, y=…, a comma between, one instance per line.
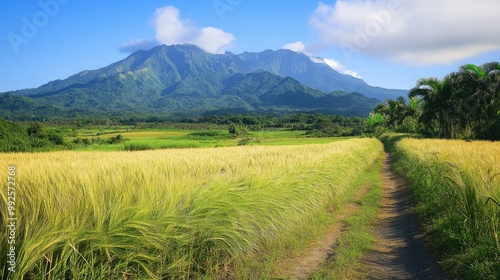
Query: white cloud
x=214, y=40
x=172, y=29
x=296, y=47
x=341, y=68
x=411, y=32
x=335, y=65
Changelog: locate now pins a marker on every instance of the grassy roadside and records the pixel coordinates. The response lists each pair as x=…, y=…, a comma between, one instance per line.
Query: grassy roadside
x=356, y=239
x=456, y=186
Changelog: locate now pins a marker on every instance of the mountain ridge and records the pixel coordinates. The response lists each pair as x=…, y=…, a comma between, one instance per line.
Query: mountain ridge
x=315, y=74
x=184, y=79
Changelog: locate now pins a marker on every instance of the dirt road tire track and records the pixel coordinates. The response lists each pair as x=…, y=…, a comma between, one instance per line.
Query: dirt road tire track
x=325, y=247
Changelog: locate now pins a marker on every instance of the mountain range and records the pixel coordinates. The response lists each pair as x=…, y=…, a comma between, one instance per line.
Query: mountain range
x=184, y=80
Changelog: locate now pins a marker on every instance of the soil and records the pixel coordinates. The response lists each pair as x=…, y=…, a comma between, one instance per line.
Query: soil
x=399, y=251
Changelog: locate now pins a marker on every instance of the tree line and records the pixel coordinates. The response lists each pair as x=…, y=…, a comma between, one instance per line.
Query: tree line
x=315, y=125
x=463, y=105
x=17, y=137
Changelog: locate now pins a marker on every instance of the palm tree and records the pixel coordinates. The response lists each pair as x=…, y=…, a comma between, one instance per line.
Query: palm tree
x=480, y=93
x=395, y=111
x=413, y=112
x=438, y=100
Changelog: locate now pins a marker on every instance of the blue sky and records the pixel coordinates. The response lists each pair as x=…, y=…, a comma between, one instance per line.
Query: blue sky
x=388, y=43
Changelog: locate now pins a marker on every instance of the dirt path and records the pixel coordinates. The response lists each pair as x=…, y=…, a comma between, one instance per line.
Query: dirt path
x=399, y=251
x=324, y=248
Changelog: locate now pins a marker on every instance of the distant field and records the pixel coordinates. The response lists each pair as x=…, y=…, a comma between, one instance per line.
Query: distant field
x=167, y=214
x=170, y=138
x=457, y=185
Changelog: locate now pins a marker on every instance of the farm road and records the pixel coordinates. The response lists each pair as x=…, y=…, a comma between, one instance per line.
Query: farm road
x=399, y=251
x=325, y=247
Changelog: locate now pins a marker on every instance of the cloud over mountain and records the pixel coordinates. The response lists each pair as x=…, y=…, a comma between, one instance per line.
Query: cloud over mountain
x=334, y=64
x=172, y=29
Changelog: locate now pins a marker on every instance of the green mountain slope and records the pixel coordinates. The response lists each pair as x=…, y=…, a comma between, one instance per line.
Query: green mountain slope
x=312, y=72
x=183, y=80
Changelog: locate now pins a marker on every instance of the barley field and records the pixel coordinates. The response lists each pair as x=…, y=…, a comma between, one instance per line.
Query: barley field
x=167, y=214
x=457, y=186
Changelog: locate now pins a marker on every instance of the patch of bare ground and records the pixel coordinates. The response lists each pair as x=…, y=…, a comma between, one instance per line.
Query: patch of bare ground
x=303, y=266
x=399, y=251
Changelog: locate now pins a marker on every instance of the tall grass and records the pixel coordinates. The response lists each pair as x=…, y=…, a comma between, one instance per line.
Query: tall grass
x=170, y=214
x=457, y=184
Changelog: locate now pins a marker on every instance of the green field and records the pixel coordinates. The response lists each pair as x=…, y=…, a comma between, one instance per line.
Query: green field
x=152, y=139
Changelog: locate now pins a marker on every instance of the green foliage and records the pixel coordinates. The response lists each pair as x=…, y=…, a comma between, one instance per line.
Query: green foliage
x=247, y=141
x=55, y=137
x=318, y=125
x=463, y=105
x=206, y=134
x=99, y=141
x=396, y=115
x=13, y=137
x=375, y=119
x=16, y=137
x=238, y=130
x=137, y=147
x=209, y=135
x=162, y=144
x=86, y=141
x=37, y=129
x=376, y=124
x=117, y=139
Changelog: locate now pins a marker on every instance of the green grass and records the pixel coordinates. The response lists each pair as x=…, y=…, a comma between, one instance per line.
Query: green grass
x=136, y=140
x=276, y=133
x=155, y=144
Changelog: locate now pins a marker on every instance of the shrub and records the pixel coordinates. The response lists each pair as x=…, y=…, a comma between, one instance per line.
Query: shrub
x=117, y=139
x=137, y=147
x=238, y=130
x=55, y=137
